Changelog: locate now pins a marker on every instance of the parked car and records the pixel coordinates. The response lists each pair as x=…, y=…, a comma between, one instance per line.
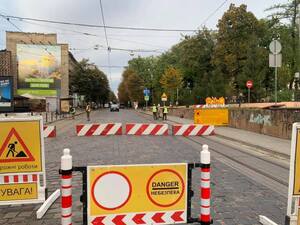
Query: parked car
x=106, y=105
x=114, y=107
x=122, y=106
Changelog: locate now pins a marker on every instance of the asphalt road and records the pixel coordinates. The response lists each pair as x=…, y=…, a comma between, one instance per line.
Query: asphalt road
x=240, y=191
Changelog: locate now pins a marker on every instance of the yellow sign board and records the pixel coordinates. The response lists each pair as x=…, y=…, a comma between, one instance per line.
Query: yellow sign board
x=296, y=188
x=211, y=116
x=215, y=101
x=136, y=188
x=13, y=192
x=21, y=147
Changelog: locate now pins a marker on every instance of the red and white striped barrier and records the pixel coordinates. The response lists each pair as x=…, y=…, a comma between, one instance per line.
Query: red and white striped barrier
x=205, y=217
x=99, y=129
x=49, y=131
x=19, y=179
x=193, y=130
x=141, y=218
x=146, y=129
x=66, y=188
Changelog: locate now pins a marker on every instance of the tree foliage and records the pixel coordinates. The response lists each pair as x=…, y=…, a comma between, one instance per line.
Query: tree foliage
x=219, y=63
x=91, y=82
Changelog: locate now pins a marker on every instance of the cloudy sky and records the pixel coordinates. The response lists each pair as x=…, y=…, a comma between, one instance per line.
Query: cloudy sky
x=170, y=14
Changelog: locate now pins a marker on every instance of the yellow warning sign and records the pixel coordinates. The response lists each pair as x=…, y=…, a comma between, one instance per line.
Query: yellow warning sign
x=12, y=192
x=141, y=188
x=207, y=116
x=296, y=189
x=164, y=97
x=20, y=146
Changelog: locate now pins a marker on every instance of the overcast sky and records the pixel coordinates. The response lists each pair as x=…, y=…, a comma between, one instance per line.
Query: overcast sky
x=171, y=14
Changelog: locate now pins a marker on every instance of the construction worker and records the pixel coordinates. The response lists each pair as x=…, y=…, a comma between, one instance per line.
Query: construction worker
x=88, y=111
x=165, y=112
x=154, y=111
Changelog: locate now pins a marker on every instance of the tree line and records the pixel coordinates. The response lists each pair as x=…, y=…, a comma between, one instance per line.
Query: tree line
x=91, y=82
x=219, y=63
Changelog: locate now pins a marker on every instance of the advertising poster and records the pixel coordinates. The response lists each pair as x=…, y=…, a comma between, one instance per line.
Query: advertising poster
x=39, y=69
x=6, y=93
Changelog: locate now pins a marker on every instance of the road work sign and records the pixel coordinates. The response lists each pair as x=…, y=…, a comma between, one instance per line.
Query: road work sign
x=211, y=116
x=21, y=145
x=13, y=192
x=164, y=97
x=140, y=193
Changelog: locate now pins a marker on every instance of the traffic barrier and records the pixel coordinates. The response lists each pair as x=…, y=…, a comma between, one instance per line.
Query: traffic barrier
x=66, y=188
x=146, y=129
x=49, y=131
x=99, y=129
x=104, y=209
x=18, y=179
x=205, y=217
x=193, y=130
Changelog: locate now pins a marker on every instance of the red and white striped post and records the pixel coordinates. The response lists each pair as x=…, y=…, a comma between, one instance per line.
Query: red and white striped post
x=205, y=217
x=66, y=188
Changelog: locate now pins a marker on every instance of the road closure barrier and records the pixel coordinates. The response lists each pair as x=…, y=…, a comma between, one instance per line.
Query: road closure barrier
x=147, y=194
x=96, y=129
x=49, y=131
x=211, y=116
x=146, y=129
x=193, y=130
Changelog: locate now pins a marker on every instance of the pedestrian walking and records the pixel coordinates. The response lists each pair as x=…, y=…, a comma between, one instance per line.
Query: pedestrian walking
x=165, y=112
x=72, y=112
x=154, y=111
x=88, y=111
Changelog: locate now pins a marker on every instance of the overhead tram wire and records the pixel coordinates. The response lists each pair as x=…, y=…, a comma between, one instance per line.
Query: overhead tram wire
x=19, y=29
x=106, y=38
x=213, y=13
x=98, y=26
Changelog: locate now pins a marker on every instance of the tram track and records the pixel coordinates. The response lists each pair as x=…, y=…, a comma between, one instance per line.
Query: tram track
x=260, y=167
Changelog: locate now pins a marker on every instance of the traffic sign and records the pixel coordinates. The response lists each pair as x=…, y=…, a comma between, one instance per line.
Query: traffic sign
x=143, y=192
x=164, y=97
x=21, y=145
x=146, y=92
x=249, y=84
x=296, y=187
x=146, y=97
x=275, y=47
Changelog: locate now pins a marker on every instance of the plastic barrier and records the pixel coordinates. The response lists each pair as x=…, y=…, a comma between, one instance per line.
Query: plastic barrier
x=192, y=130
x=106, y=209
x=211, y=116
x=146, y=129
x=49, y=131
x=99, y=129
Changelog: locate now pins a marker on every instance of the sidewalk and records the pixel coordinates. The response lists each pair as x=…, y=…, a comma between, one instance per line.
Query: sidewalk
x=265, y=142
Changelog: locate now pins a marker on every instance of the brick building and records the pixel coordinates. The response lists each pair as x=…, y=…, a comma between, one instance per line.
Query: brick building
x=5, y=63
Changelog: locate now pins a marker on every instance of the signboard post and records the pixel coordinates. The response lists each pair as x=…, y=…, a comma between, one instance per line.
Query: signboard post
x=164, y=98
x=22, y=160
x=294, y=177
x=275, y=59
x=155, y=193
x=6, y=94
x=146, y=96
x=249, y=85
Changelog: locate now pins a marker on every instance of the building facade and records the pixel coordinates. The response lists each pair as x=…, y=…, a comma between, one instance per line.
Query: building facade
x=5, y=63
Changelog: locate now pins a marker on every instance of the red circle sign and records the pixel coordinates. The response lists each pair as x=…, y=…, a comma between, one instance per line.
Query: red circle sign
x=249, y=84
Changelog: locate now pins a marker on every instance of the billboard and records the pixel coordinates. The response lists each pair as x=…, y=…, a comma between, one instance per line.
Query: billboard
x=6, y=93
x=39, y=69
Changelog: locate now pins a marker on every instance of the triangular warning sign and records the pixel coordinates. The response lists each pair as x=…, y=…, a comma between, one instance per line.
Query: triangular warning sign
x=14, y=149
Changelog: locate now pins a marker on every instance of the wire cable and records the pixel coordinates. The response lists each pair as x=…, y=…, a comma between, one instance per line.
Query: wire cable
x=99, y=26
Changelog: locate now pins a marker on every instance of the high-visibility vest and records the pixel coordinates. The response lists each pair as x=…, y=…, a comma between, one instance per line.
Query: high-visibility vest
x=154, y=109
x=165, y=110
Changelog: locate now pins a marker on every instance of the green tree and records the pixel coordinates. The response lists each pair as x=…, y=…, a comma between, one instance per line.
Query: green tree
x=171, y=80
x=89, y=81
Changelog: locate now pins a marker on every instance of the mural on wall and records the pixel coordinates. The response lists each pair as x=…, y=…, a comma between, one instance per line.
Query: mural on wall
x=260, y=119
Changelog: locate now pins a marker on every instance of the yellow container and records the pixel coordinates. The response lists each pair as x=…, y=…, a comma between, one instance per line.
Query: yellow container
x=211, y=116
